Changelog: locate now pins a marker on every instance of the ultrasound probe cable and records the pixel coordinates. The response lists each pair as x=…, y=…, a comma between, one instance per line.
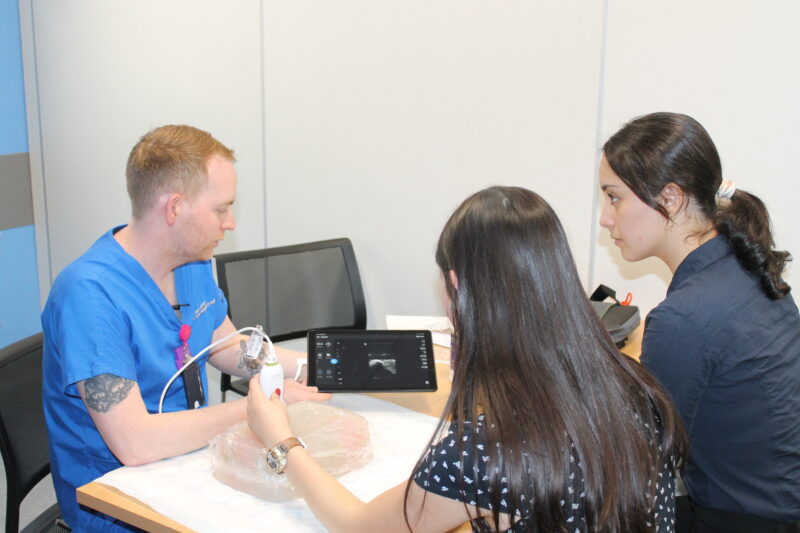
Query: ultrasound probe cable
x=204, y=350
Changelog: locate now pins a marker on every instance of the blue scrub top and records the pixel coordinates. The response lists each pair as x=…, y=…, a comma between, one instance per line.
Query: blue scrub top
x=106, y=315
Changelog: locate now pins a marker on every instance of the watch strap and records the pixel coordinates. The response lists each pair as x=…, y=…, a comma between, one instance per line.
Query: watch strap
x=287, y=444
x=276, y=456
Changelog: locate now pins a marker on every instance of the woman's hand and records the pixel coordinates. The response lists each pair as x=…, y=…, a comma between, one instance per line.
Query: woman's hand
x=267, y=417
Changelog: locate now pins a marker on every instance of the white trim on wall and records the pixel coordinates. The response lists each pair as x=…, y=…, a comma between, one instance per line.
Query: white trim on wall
x=38, y=192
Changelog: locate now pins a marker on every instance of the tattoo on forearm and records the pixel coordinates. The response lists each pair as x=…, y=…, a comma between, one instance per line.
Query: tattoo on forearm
x=105, y=391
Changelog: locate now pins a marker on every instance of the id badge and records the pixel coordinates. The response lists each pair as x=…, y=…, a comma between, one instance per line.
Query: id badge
x=193, y=385
x=192, y=382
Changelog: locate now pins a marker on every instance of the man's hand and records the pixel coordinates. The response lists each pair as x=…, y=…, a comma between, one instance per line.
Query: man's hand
x=297, y=392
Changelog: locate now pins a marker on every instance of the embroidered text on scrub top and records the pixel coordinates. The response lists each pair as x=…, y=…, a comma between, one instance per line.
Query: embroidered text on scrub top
x=203, y=307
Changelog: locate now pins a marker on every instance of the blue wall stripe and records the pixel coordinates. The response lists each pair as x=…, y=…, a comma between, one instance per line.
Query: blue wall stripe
x=13, y=129
x=19, y=281
x=19, y=285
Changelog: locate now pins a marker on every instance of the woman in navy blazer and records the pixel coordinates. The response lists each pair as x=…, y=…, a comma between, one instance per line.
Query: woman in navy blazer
x=725, y=342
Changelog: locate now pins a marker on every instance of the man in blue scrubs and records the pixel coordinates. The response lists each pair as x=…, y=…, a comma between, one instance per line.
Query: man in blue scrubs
x=116, y=316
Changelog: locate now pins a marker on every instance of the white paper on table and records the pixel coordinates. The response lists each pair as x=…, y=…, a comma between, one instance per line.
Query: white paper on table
x=184, y=489
x=439, y=326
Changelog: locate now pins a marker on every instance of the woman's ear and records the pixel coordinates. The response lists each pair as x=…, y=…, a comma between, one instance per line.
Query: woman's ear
x=447, y=295
x=672, y=198
x=453, y=278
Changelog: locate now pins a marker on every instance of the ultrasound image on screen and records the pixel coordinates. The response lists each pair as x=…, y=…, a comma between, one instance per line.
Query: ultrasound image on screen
x=373, y=361
x=384, y=368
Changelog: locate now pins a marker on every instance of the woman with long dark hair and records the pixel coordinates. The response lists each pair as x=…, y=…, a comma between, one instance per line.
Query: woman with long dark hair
x=547, y=427
x=725, y=342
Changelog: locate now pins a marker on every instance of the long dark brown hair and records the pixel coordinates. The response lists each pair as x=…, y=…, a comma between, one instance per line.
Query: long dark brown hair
x=535, y=360
x=660, y=148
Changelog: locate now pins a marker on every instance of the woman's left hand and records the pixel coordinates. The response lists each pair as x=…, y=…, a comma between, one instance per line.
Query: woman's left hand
x=267, y=416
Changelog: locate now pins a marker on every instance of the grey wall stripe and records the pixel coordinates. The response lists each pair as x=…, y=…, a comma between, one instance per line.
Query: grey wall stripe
x=16, y=206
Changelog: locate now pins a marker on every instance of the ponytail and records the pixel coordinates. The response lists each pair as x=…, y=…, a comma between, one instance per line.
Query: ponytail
x=745, y=221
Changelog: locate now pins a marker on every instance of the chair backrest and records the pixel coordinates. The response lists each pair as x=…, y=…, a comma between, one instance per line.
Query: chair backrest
x=291, y=289
x=23, y=433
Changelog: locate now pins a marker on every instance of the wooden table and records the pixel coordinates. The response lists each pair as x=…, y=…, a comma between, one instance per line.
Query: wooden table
x=115, y=503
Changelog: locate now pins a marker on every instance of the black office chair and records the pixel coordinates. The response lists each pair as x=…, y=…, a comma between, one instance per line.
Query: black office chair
x=23, y=433
x=291, y=289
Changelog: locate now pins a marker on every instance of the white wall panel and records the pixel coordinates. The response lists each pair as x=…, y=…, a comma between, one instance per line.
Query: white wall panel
x=382, y=116
x=107, y=72
x=731, y=65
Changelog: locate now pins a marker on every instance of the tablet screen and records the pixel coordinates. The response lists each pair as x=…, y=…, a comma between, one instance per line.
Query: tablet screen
x=371, y=360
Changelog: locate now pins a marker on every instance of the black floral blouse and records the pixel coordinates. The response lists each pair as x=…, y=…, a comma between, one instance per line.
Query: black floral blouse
x=441, y=473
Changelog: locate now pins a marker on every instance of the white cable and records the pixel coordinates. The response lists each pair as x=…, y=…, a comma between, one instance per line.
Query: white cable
x=193, y=359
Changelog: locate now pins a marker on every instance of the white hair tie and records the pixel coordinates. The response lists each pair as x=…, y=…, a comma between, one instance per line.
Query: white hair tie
x=726, y=189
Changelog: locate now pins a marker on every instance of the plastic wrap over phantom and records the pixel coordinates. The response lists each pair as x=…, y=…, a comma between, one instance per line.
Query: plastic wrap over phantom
x=336, y=438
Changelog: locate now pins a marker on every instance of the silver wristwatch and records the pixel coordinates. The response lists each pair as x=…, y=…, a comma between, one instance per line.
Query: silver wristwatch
x=276, y=456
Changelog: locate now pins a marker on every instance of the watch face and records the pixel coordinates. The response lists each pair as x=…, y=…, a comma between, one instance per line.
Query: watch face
x=276, y=460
